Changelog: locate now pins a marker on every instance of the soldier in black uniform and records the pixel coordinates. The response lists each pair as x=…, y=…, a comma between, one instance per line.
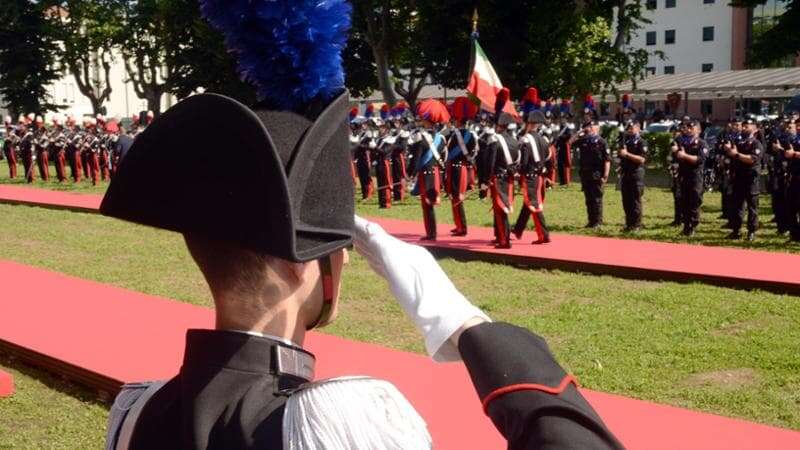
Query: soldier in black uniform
x=673, y=166
x=27, y=151
x=41, y=144
x=502, y=156
x=746, y=159
x=778, y=169
x=363, y=153
x=399, y=155
x=595, y=164
x=691, y=153
x=792, y=155
x=10, y=147
x=534, y=155
x=633, y=155
x=723, y=165
x=381, y=156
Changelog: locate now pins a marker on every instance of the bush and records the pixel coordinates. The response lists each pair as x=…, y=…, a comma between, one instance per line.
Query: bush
x=611, y=136
x=658, y=145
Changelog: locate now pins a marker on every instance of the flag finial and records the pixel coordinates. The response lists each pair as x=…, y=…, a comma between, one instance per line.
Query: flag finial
x=475, y=18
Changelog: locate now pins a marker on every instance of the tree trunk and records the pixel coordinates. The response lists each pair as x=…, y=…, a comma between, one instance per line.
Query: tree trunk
x=622, y=25
x=385, y=83
x=97, y=105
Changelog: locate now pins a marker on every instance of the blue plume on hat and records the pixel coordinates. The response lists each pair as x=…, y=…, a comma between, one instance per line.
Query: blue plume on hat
x=290, y=50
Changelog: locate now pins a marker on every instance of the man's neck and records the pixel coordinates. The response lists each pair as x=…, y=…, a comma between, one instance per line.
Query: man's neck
x=280, y=323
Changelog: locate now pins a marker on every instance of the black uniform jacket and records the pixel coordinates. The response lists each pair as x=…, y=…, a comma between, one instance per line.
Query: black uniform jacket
x=593, y=154
x=226, y=396
x=530, y=163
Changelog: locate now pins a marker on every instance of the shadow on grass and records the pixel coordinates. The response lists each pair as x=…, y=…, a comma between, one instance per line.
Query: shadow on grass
x=54, y=382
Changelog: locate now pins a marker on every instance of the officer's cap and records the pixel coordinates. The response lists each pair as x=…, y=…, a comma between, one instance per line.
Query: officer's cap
x=749, y=121
x=535, y=117
x=291, y=195
x=505, y=119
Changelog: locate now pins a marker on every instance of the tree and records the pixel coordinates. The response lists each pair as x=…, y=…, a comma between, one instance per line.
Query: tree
x=572, y=52
x=773, y=43
x=197, y=55
x=27, y=57
x=143, y=42
x=87, y=30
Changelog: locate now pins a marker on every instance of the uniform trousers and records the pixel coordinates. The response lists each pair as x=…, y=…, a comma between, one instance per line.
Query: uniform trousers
x=457, y=179
x=11, y=159
x=632, y=187
x=61, y=169
x=428, y=183
x=592, y=187
x=532, y=188
x=745, y=194
x=691, y=199
x=502, y=187
x=42, y=161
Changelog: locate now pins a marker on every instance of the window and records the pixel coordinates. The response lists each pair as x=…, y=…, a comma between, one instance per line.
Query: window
x=669, y=70
x=708, y=67
x=669, y=4
x=669, y=36
x=649, y=107
x=651, y=38
x=604, y=110
x=652, y=4
x=706, y=107
x=708, y=34
x=708, y=2
x=651, y=70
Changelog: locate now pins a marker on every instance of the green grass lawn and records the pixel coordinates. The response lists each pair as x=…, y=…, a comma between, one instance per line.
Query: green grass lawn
x=719, y=350
x=564, y=210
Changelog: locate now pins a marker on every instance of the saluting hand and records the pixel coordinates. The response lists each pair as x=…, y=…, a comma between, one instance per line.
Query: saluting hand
x=419, y=284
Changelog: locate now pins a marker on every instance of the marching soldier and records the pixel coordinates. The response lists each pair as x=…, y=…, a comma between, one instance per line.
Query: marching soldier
x=534, y=154
x=746, y=157
x=503, y=157
x=58, y=143
x=381, y=155
x=10, y=147
x=429, y=148
x=399, y=153
x=91, y=150
x=41, y=144
x=691, y=153
x=27, y=151
x=633, y=156
x=74, y=139
x=462, y=145
x=595, y=165
x=363, y=160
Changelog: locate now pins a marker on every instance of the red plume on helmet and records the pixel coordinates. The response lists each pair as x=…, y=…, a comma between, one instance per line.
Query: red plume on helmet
x=531, y=100
x=588, y=102
x=370, y=111
x=502, y=98
x=354, y=113
x=433, y=110
x=464, y=109
x=626, y=101
x=385, y=111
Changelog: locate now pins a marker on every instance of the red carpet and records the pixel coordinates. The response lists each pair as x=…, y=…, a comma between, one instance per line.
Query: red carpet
x=6, y=384
x=627, y=258
x=102, y=335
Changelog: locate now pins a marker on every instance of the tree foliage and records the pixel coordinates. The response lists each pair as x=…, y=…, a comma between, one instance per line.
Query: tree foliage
x=774, y=44
x=563, y=47
x=28, y=55
x=88, y=30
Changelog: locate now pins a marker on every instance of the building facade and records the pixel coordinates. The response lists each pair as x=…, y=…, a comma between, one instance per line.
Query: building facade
x=692, y=36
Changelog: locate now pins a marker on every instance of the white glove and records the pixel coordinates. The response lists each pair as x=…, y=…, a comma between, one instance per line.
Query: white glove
x=421, y=287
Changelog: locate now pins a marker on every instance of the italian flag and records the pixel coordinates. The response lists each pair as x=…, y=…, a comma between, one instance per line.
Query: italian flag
x=484, y=84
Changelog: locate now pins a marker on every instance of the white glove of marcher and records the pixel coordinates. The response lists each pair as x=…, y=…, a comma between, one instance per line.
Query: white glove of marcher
x=421, y=287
